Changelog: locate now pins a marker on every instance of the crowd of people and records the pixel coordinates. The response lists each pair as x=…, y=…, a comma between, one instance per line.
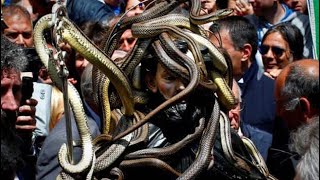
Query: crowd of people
x=274, y=82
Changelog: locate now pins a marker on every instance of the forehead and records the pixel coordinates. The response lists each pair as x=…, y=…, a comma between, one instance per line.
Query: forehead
x=131, y=3
x=279, y=83
x=226, y=41
x=275, y=38
x=18, y=21
x=17, y=18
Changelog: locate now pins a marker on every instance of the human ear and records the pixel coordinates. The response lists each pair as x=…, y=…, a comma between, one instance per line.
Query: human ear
x=305, y=108
x=290, y=57
x=246, y=52
x=150, y=82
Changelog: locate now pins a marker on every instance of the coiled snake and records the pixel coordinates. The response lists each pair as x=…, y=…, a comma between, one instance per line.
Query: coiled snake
x=156, y=28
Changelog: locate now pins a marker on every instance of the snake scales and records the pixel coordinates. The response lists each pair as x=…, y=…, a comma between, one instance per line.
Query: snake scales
x=146, y=27
x=75, y=101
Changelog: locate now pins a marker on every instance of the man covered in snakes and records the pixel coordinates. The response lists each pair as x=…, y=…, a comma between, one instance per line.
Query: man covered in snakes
x=174, y=92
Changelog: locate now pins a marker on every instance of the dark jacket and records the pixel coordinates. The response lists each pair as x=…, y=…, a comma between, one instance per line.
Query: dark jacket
x=258, y=114
x=80, y=11
x=48, y=166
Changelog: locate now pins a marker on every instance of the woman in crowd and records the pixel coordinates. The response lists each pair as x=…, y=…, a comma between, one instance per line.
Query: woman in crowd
x=281, y=45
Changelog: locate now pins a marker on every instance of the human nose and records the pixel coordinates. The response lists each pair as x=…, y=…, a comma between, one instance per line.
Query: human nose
x=126, y=46
x=180, y=86
x=230, y=114
x=20, y=40
x=139, y=10
x=8, y=102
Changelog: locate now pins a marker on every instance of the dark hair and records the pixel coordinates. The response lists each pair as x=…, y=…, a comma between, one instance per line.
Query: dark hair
x=150, y=60
x=301, y=84
x=292, y=35
x=241, y=32
x=95, y=31
x=12, y=56
x=222, y=4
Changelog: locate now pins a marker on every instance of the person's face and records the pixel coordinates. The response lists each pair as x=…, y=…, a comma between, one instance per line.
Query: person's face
x=19, y=30
x=138, y=9
x=260, y=6
x=236, y=55
x=297, y=5
x=127, y=41
x=208, y=6
x=234, y=114
x=165, y=83
x=10, y=90
x=80, y=64
x=275, y=52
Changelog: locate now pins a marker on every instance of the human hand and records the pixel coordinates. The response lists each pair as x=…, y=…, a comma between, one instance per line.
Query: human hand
x=242, y=8
x=26, y=122
x=273, y=73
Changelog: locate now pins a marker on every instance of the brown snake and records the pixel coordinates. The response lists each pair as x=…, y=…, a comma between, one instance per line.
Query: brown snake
x=147, y=27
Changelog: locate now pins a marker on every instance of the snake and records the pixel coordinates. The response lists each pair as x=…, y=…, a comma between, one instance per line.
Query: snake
x=160, y=9
x=74, y=99
x=150, y=29
x=80, y=43
x=205, y=146
x=175, y=54
x=260, y=163
x=171, y=149
x=225, y=94
x=218, y=58
x=203, y=19
x=194, y=80
x=110, y=154
x=95, y=56
x=150, y=162
x=226, y=144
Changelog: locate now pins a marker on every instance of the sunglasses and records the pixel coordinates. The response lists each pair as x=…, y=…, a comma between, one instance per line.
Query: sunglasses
x=277, y=51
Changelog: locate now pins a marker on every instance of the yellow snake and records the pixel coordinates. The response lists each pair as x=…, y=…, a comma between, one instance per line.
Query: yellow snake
x=149, y=29
x=75, y=102
x=95, y=56
x=225, y=94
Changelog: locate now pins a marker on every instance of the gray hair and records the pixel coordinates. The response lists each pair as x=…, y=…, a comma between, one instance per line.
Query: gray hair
x=305, y=141
x=298, y=84
x=12, y=56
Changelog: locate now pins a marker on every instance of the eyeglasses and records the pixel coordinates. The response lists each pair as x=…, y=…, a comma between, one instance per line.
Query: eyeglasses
x=239, y=108
x=277, y=51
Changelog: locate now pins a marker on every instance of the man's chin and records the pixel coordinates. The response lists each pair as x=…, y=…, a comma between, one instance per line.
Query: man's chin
x=175, y=113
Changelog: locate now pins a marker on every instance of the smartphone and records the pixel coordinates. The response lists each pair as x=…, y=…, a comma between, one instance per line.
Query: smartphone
x=26, y=89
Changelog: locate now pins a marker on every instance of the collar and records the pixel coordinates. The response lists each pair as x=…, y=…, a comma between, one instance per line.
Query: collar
x=249, y=76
